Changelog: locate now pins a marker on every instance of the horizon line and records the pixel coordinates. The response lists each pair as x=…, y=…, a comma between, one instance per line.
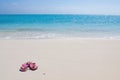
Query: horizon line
x=55, y=14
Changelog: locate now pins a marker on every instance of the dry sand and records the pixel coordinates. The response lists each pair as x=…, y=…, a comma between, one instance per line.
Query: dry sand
x=61, y=59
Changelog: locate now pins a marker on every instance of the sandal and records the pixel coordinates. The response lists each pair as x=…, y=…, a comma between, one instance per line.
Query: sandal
x=24, y=67
x=33, y=66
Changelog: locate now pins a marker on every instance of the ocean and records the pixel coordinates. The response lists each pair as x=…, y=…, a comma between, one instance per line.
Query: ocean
x=54, y=26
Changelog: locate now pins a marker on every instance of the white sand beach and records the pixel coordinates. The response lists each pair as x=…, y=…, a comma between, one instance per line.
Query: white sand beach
x=61, y=59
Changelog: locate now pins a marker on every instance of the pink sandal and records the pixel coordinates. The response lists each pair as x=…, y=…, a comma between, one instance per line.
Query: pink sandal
x=24, y=67
x=33, y=66
x=28, y=65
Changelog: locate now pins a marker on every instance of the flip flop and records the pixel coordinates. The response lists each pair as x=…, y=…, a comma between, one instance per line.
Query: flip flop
x=33, y=66
x=24, y=67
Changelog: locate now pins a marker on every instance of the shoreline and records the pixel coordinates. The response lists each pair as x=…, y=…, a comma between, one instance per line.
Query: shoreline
x=60, y=38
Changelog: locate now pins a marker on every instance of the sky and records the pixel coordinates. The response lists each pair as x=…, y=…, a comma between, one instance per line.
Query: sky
x=60, y=7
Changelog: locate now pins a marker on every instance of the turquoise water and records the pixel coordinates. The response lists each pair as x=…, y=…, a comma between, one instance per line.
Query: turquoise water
x=59, y=26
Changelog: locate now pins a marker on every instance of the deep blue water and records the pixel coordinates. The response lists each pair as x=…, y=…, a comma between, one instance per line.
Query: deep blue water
x=59, y=26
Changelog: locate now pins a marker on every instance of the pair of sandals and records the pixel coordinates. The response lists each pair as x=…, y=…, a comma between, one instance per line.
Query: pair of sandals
x=28, y=66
